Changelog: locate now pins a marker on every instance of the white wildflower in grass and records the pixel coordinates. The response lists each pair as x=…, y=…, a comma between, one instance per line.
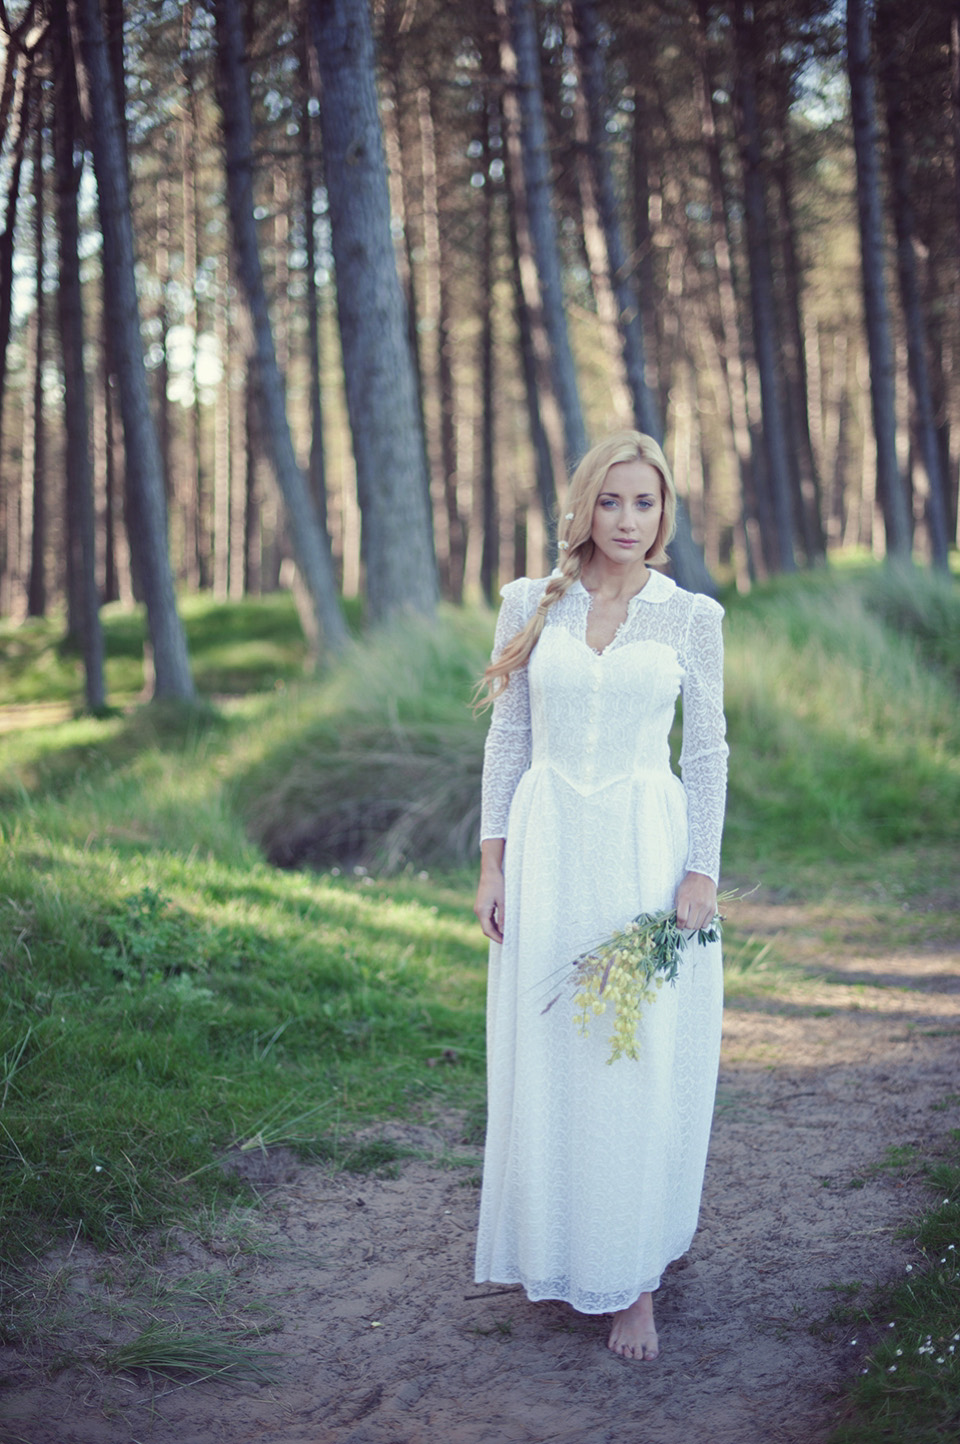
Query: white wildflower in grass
x=626, y=972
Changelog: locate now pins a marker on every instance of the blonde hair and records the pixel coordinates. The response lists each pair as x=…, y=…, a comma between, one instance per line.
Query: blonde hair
x=575, y=544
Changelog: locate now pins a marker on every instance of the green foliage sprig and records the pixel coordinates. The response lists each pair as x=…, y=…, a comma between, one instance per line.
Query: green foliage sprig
x=627, y=971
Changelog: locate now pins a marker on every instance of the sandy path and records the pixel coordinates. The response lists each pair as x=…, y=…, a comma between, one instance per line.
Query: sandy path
x=386, y=1341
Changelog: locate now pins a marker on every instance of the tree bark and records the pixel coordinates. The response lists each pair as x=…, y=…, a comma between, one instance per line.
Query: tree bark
x=539, y=193
x=620, y=268
x=905, y=225
x=761, y=291
x=543, y=415
x=489, y=520
x=876, y=312
x=36, y=572
x=80, y=505
x=380, y=383
x=437, y=261
x=598, y=204
x=756, y=525
x=311, y=545
x=144, y=474
x=317, y=469
x=809, y=501
x=19, y=107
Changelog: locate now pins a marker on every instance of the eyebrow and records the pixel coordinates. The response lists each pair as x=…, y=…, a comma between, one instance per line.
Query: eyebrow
x=646, y=495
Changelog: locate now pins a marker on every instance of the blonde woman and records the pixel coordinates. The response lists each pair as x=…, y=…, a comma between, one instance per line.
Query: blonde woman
x=593, y=1172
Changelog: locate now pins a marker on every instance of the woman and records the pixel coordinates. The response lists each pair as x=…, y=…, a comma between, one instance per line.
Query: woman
x=593, y=1172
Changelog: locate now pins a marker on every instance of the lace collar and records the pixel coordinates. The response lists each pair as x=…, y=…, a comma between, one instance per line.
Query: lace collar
x=657, y=588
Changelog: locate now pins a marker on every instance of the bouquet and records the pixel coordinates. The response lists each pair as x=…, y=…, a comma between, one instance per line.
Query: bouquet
x=627, y=971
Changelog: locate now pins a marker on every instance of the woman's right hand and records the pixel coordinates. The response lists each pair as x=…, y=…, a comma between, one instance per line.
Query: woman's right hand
x=489, y=900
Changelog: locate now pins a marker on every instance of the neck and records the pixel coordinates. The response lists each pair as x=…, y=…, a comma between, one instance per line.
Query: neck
x=614, y=583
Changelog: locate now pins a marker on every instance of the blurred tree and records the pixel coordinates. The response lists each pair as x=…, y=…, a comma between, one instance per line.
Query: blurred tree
x=80, y=539
x=876, y=310
x=380, y=383
x=311, y=545
x=147, y=527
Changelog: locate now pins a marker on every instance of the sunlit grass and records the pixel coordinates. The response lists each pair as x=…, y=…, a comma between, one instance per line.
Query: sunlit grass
x=907, y=1386
x=236, y=647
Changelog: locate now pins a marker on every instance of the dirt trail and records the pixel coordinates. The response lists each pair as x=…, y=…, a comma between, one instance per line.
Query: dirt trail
x=386, y=1341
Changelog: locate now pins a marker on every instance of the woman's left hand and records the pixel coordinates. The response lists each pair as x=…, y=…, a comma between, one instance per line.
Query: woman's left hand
x=696, y=902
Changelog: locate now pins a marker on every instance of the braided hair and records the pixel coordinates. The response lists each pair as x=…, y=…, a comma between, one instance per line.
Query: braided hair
x=576, y=547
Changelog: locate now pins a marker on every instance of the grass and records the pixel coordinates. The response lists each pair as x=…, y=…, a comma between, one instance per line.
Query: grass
x=236, y=647
x=165, y=1348
x=908, y=1384
x=168, y=999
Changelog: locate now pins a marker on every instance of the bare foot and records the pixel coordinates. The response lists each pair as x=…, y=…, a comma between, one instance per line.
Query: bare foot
x=633, y=1335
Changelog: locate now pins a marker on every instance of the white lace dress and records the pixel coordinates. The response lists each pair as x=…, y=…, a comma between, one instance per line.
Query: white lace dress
x=593, y=1172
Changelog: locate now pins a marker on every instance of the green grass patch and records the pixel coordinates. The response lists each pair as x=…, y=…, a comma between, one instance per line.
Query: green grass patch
x=167, y=995
x=237, y=647
x=908, y=1385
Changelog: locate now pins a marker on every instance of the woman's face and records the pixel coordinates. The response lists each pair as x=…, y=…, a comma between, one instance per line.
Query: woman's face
x=626, y=516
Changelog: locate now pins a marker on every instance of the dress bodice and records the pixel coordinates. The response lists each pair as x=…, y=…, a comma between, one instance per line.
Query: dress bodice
x=602, y=718
x=597, y=719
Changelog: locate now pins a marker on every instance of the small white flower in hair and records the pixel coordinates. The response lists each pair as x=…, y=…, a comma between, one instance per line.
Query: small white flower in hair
x=569, y=516
x=563, y=545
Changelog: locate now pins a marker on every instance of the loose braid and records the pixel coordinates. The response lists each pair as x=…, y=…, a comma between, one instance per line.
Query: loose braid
x=576, y=547
x=516, y=653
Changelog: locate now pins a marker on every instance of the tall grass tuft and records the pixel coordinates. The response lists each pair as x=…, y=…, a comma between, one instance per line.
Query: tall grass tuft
x=382, y=768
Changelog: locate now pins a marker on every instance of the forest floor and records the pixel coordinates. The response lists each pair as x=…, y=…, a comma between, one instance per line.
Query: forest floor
x=836, y=1081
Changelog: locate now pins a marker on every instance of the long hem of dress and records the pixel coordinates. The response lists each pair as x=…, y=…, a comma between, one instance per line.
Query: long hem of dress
x=540, y=1293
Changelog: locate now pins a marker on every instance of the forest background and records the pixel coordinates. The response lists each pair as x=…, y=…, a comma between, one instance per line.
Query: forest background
x=305, y=312
x=307, y=297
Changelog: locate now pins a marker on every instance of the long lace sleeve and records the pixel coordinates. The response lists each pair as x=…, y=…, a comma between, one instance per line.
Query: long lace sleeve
x=703, y=756
x=506, y=754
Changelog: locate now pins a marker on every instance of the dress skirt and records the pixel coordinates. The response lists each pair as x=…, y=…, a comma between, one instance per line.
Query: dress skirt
x=592, y=1171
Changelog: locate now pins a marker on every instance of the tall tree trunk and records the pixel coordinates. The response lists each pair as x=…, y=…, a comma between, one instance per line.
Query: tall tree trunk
x=905, y=224
x=380, y=384
x=619, y=266
x=20, y=130
x=80, y=505
x=311, y=545
x=761, y=289
x=161, y=404
x=144, y=474
x=688, y=562
x=756, y=522
x=489, y=521
x=641, y=166
x=955, y=111
x=545, y=423
x=876, y=313
x=192, y=479
x=598, y=205
x=317, y=469
x=223, y=421
x=807, y=479
x=539, y=188
x=36, y=577
x=437, y=260
x=397, y=19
